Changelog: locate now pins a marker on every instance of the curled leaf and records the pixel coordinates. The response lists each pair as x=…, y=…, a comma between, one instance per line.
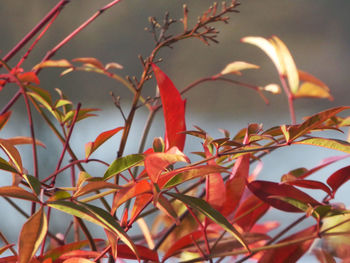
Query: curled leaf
x=90, y=61
x=62, y=63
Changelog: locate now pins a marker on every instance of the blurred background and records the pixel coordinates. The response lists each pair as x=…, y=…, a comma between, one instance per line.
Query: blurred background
x=315, y=31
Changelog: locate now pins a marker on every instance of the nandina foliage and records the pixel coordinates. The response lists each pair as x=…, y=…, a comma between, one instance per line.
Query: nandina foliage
x=191, y=211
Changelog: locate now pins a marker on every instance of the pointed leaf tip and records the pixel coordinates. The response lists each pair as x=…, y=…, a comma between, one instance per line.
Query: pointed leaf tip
x=173, y=109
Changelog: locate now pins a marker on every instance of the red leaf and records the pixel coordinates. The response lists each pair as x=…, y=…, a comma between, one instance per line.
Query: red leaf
x=249, y=212
x=155, y=163
x=216, y=191
x=265, y=189
x=127, y=193
x=182, y=243
x=174, y=110
x=292, y=252
x=236, y=184
x=311, y=184
x=144, y=253
x=29, y=77
x=10, y=259
x=101, y=138
x=338, y=178
x=141, y=202
x=4, y=119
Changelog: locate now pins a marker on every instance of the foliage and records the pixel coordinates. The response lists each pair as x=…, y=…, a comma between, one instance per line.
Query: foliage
x=209, y=209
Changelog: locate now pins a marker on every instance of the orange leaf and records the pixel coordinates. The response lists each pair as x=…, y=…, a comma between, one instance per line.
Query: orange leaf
x=17, y=192
x=155, y=163
x=24, y=140
x=12, y=153
x=78, y=260
x=31, y=236
x=129, y=192
x=141, y=202
x=92, y=61
x=29, y=77
x=174, y=110
x=101, y=138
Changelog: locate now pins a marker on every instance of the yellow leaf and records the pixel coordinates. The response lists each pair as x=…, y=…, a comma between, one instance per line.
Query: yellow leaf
x=236, y=67
x=268, y=48
x=288, y=64
x=273, y=88
x=62, y=63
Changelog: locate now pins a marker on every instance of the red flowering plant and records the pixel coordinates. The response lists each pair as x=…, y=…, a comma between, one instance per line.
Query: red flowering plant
x=192, y=211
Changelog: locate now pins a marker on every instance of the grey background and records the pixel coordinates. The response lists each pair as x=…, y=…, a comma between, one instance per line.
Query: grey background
x=316, y=32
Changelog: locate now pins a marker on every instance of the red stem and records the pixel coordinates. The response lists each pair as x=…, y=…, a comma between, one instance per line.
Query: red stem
x=290, y=99
x=35, y=30
x=66, y=144
x=52, y=52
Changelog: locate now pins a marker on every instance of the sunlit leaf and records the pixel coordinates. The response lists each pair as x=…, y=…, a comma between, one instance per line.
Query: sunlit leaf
x=338, y=178
x=31, y=236
x=268, y=48
x=59, y=195
x=214, y=215
x=236, y=67
x=155, y=163
x=273, y=88
x=141, y=201
x=62, y=102
x=312, y=87
x=90, y=61
x=94, y=186
x=180, y=176
x=19, y=140
x=101, y=138
x=332, y=144
x=131, y=191
x=123, y=163
x=62, y=63
x=113, y=65
x=81, y=254
x=314, y=121
x=12, y=153
x=4, y=119
x=17, y=192
x=287, y=62
x=174, y=110
x=264, y=190
x=292, y=252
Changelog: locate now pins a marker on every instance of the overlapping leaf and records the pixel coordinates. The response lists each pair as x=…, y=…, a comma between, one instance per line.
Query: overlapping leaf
x=211, y=213
x=338, y=178
x=17, y=192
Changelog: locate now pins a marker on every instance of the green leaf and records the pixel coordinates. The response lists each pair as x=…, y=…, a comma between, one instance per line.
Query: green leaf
x=112, y=224
x=333, y=144
x=4, y=165
x=59, y=195
x=210, y=212
x=17, y=192
x=33, y=182
x=195, y=172
x=95, y=215
x=31, y=236
x=122, y=164
x=94, y=186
